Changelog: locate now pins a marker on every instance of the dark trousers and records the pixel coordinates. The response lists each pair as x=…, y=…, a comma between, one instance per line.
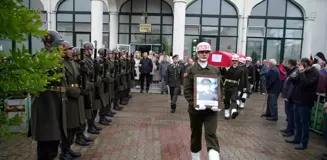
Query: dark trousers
x=230, y=98
x=90, y=122
x=289, y=111
x=272, y=107
x=263, y=85
x=118, y=97
x=174, y=92
x=302, y=124
x=47, y=150
x=104, y=111
x=81, y=130
x=148, y=80
x=256, y=86
x=66, y=143
x=207, y=118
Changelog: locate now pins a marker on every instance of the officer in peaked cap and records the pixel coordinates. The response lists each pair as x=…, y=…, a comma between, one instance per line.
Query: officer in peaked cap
x=174, y=81
x=206, y=94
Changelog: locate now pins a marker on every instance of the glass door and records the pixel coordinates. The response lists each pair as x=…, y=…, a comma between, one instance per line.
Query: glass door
x=212, y=41
x=273, y=49
x=254, y=49
x=81, y=38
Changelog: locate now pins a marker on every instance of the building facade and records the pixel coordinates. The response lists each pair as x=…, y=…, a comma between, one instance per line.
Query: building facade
x=262, y=29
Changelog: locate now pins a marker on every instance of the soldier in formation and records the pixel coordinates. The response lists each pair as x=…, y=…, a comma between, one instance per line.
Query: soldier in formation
x=87, y=87
x=201, y=115
x=174, y=74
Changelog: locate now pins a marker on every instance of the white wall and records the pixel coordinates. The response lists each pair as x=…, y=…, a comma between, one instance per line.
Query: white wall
x=311, y=8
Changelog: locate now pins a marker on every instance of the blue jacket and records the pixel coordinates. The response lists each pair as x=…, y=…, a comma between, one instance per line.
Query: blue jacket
x=273, y=81
x=146, y=65
x=264, y=70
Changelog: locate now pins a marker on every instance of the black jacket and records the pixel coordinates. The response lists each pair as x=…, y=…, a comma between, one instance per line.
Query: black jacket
x=288, y=86
x=305, y=87
x=146, y=65
x=273, y=81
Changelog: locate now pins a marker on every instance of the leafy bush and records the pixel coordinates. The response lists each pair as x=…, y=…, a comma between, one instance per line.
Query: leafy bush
x=23, y=73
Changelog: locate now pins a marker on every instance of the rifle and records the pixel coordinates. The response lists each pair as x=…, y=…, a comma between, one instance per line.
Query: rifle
x=82, y=63
x=95, y=75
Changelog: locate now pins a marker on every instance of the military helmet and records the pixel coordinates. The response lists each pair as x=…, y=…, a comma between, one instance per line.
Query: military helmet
x=51, y=37
x=88, y=45
x=205, y=82
x=101, y=51
x=66, y=45
x=77, y=51
x=176, y=55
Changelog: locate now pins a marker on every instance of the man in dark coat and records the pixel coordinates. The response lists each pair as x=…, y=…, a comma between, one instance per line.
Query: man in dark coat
x=304, y=95
x=289, y=105
x=48, y=120
x=273, y=87
x=257, y=68
x=145, y=68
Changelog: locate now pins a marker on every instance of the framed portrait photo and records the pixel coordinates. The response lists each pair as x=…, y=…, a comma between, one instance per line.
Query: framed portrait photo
x=206, y=90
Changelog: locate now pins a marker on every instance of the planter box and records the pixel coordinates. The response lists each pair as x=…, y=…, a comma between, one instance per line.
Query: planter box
x=18, y=107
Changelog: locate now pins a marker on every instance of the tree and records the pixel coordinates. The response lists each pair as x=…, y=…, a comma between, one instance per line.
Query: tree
x=21, y=72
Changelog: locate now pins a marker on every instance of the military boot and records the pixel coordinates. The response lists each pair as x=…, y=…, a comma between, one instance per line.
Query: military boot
x=74, y=154
x=92, y=130
x=118, y=108
x=65, y=155
x=80, y=140
x=87, y=138
x=129, y=96
x=97, y=127
x=173, y=108
x=104, y=121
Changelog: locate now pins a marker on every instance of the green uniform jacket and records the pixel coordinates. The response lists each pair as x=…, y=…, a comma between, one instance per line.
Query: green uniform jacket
x=123, y=81
x=47, y=115
x=101, y=99
x=111, y=75
x=87, y=112
x=129, y=74
x=189, y=78
x=75, y=112
x=235, y=74
x=175, y=75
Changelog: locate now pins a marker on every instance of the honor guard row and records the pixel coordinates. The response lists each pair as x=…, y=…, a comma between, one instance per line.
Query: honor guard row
x=88, y=86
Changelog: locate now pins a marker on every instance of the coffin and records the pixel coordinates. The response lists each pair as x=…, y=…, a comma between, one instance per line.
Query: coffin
x=220, y=59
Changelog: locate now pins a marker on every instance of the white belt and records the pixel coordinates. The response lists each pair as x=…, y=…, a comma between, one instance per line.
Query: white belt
x=230, y=81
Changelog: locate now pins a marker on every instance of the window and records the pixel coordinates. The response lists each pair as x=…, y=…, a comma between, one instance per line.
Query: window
x=74, y=21
x=212, y=20
x=280, y=23
x=159, y=15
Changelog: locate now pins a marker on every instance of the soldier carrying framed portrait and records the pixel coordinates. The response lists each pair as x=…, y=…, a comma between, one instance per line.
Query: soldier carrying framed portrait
x=206, y=91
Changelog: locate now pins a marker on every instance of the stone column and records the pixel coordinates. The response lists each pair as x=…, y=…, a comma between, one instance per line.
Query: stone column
x=307, y=37
x=113, y=30
x=179, y=27
x=96, y=22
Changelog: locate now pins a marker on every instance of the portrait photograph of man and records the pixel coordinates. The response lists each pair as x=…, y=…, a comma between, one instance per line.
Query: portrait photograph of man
x=206, y=91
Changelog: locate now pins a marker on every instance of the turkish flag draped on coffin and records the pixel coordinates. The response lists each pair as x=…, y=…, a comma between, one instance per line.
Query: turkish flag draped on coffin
x=220, y=59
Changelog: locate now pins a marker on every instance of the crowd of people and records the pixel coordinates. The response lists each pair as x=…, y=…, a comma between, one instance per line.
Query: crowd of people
x=99, y=85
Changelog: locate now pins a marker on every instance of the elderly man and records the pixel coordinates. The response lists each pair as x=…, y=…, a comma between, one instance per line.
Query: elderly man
x=304, y=95
x=263, y=72
x=273, y=89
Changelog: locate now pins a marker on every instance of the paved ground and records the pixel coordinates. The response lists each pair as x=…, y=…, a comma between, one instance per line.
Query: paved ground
x=146, y=130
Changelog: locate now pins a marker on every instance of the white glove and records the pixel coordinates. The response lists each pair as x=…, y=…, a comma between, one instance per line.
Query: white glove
x=201, y=107
x=244, y=96
x=239, y=93
x=244, y=89
x=215, y=108
x=251, y=86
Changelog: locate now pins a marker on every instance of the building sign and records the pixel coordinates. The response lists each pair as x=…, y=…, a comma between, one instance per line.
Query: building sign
x=145, y=28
